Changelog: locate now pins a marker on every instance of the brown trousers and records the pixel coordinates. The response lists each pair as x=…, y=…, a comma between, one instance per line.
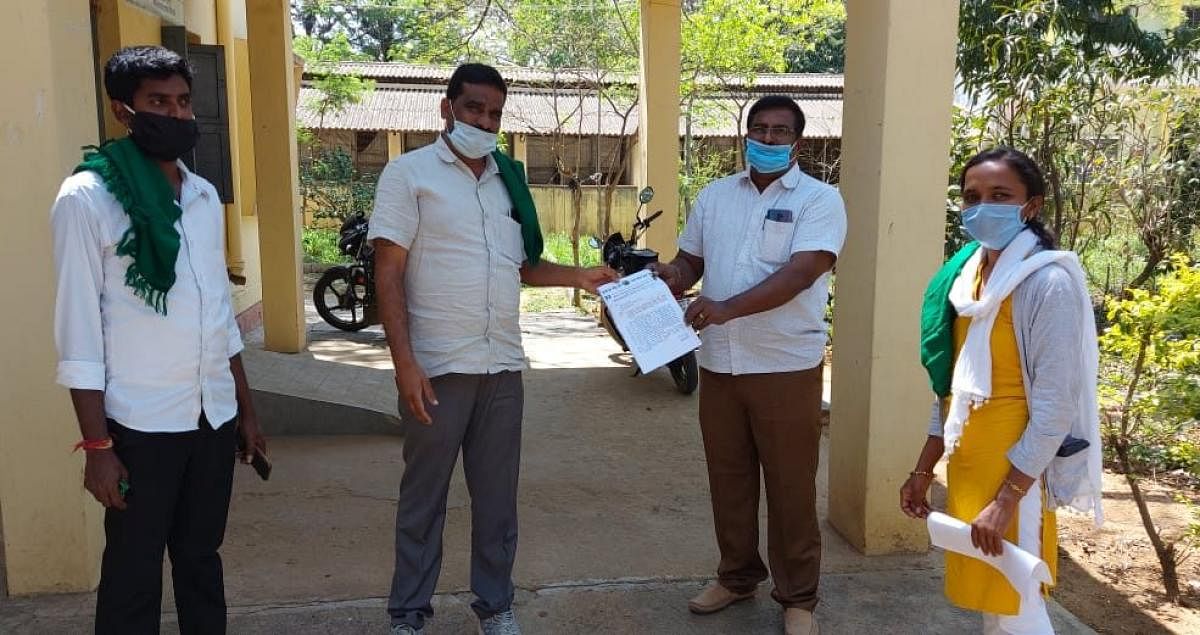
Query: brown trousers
x=772, y=420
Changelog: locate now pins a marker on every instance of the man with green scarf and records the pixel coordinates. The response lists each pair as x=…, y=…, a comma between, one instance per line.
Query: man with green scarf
x=150, y=350
x=455, y=234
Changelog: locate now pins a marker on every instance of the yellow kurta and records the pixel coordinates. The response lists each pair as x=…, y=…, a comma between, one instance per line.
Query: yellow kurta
x=977, y=469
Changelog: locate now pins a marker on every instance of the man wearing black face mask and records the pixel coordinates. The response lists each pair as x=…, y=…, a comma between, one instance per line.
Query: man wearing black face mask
x=150, y=351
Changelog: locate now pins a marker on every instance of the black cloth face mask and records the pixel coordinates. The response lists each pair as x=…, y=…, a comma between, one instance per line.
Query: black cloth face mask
x=160, y=136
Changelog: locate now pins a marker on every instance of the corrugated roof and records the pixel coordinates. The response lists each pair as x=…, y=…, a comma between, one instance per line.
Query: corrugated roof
x=415, y=109
x=400, y=73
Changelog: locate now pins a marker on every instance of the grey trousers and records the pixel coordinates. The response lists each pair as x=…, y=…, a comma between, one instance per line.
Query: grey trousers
x=481, y=415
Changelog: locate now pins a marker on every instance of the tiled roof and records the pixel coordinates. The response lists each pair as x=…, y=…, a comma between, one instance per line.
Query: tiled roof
x=416, y=109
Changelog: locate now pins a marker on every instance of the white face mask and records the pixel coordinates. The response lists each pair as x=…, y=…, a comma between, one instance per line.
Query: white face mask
x=472, y=142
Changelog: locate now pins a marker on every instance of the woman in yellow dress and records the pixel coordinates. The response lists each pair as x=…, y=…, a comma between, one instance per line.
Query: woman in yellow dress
x=1009, y=341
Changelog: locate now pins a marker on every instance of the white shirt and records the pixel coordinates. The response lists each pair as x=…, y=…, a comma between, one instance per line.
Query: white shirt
x=157, y=372
x=744, y=237
x=463, y=279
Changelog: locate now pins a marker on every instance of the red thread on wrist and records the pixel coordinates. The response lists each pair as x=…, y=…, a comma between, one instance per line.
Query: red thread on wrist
x=94, y=444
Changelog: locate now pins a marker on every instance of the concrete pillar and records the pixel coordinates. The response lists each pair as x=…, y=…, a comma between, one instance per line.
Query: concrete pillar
x=275, y=160
x=658, y=118
x=50, y=525
x=520, y=149
x=227, y=25
x=395, y=144
x=896, y=131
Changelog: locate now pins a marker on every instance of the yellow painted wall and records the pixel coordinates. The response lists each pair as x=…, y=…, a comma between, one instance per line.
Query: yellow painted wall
x=555, y=213
x=242, y=227
x=200, y=18
x=51, y=525
x=121, y=24
x=245, y=130
x=250, y=294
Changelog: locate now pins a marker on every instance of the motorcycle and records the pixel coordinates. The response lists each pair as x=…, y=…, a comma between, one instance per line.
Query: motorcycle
x=626, y=258
x=344, y=296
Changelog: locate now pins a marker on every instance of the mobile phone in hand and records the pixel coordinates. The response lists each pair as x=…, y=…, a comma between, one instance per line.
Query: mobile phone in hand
x=260, y=462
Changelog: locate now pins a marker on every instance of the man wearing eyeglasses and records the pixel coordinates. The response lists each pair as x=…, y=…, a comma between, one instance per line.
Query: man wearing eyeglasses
x=764, y=241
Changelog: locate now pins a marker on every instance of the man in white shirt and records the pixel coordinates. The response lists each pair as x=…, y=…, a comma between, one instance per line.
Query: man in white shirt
x=150, y=351
x=455, y=235
x=764, y=241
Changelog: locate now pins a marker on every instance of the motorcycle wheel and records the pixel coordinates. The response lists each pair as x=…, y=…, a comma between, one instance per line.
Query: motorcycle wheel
x=685, y=373
x=339, y=301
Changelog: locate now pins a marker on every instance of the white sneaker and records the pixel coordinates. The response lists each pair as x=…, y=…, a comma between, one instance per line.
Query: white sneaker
x=405, y=629
x=500, y=624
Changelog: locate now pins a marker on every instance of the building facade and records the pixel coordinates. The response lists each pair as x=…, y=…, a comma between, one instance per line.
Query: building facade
x=244, y=97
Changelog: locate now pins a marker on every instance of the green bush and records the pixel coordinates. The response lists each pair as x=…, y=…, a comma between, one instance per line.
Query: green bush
x=1150, y=374
x=558, y=249
x=320, y=246
x=332, y=187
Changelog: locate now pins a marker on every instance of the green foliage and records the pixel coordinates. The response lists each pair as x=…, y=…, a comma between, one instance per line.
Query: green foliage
x=558, y=249
x=335, y=91
x=569, y=35
x=1105, y=109
x=331, y=187
x=396, y=30
x=320, y=246
x=1150, y=381
x=707, y=166
x=824, y=50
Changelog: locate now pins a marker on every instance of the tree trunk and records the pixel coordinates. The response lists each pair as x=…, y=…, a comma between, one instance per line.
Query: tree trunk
x=577, y=210
x=1153, y=259
x=687, y=158
x=1164, y=550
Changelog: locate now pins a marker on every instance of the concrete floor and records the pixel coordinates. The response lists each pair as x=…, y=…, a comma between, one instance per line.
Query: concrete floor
x=616, y=528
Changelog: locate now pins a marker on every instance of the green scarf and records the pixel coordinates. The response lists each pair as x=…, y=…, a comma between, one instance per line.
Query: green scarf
x=937, y=322
x=524, y=211
x=140, y=186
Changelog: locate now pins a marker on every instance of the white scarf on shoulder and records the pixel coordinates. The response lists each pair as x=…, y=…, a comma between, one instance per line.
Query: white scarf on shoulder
x=971, y=386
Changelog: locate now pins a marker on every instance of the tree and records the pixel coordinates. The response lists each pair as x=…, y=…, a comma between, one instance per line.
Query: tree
x=590, y=52
x=1153, y=353
x=328, y=177
x=1048, y=75
x=318, y=18
x=1155, y=170
x=398, y=30
x=335, y=91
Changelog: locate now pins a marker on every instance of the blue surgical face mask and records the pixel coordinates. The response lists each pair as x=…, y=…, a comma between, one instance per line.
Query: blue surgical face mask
x=472, y=142
x=767, y=159
x=994, y=225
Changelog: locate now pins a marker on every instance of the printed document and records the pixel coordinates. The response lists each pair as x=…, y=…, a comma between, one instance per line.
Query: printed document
x=649, y=319
x=1025, y=571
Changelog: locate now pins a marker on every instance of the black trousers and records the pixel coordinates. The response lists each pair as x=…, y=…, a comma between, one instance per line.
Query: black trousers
x=178, y=499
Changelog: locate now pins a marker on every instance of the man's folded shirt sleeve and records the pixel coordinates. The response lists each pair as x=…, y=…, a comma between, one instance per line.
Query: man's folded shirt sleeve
x=78, y=330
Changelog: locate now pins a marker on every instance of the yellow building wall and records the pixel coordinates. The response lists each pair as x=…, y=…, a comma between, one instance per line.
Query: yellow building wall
x=229, y=25
x=120, y=24
x=51, y=525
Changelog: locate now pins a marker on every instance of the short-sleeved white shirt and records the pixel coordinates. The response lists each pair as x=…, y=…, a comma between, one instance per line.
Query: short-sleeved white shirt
x=465, y=251
x=745, y=236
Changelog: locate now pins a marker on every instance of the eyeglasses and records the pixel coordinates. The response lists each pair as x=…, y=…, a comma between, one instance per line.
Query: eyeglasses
x=775, y=132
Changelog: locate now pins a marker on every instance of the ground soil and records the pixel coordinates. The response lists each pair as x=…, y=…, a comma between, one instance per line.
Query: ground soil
x=1110, y=578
